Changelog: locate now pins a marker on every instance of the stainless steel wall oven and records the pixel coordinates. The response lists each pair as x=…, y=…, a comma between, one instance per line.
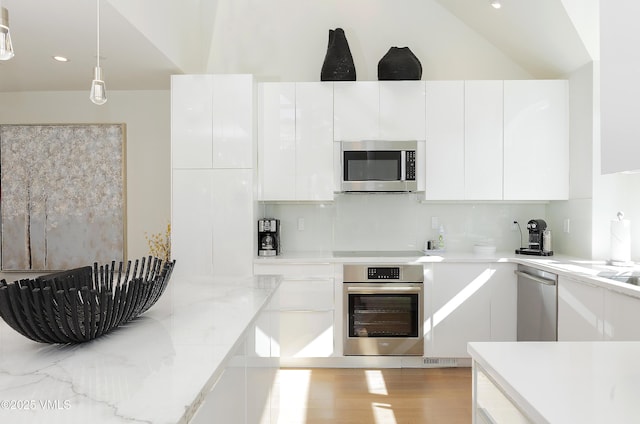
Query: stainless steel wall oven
x=383, y=309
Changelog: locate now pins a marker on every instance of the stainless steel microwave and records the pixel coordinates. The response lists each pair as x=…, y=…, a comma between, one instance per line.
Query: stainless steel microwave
x=379, y=166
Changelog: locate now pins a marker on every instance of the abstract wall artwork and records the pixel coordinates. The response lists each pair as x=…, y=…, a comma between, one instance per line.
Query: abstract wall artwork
x=63, y=200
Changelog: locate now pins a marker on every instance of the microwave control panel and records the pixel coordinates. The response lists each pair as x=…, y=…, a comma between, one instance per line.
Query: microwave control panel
x=410, y=165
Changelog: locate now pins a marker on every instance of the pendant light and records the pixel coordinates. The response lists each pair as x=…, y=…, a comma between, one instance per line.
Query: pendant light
x=6, y=48
x=98, y=93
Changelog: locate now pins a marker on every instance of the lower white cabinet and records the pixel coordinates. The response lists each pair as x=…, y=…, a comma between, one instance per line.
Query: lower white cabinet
x=490, y=404
x=244, y=392
x=307, y=311
x=580, y=310
x=467, y=302
x=622, y=315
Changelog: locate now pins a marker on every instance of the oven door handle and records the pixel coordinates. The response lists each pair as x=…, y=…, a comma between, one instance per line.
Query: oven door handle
x=382, y=290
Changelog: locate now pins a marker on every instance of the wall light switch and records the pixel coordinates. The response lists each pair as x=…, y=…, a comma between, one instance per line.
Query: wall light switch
x=435, y=223
x=300, y=224
x=565, y=225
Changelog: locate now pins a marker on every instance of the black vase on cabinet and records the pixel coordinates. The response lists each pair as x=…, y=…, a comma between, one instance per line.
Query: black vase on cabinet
x=399, y=63
x=338, y=62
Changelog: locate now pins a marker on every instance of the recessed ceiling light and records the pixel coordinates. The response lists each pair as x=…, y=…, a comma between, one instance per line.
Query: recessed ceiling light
x=60, y=58
x=495, y=4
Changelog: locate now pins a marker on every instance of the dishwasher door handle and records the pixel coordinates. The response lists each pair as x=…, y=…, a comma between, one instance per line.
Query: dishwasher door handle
x=541, y=280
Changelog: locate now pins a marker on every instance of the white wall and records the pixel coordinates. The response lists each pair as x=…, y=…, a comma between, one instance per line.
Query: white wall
x=147, y=118
x=286, y=40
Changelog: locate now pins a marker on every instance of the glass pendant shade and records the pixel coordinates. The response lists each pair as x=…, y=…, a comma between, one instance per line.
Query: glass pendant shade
x=98, y=93
x=6, y=48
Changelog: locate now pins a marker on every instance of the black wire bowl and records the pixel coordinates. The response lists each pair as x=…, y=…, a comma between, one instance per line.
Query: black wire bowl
x=81, y=304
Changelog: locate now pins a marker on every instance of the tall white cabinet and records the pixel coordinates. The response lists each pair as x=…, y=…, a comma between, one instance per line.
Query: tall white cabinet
x=213, y=157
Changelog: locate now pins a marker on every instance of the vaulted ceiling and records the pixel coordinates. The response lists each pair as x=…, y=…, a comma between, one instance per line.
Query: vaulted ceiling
x=548, y=38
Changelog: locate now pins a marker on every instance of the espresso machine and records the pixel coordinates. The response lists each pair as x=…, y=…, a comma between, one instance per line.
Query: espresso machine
x=268, y=237
x=539, y=239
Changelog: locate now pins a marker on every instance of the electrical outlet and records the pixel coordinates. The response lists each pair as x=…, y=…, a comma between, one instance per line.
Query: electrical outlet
x=435, y=223
x=566, y=225
x=300, y=224
x=514, y=225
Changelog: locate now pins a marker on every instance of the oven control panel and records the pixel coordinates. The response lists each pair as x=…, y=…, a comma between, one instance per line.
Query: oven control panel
x=383, y=273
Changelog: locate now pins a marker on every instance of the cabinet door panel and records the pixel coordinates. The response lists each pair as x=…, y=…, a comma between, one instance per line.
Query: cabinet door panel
x=536, y=140
x=444, y=163
x=402, y=110
x=580, y=311
x=314, y=141
x=307, y=295
x=276, y=141
x=306, y=334
x=232, y=117
x=357, y=110
x=483, y=146
x=622, y=314
x=191, y=121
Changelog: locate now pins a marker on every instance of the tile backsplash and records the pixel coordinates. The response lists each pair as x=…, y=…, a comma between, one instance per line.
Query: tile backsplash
x=398, y=222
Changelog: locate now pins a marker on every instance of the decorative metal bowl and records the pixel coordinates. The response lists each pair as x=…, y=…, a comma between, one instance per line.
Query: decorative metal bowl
x=81, y=304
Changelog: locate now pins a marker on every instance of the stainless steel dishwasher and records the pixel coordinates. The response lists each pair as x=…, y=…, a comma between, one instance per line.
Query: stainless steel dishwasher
x=537, y=304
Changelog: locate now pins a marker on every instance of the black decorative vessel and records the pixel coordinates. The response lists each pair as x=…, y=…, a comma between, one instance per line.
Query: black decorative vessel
x=338, y=62
x=399, y=63
x=81, y=304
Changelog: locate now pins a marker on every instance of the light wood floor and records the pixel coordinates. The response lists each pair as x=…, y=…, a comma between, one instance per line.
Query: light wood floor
x=373, y=396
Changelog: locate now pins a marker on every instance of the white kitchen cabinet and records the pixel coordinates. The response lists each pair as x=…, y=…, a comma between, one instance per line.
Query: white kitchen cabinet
x=619, y=86
x=307, y=310
x=212, y=121
x=444, y=162
x=277, y=141
x=460, y=304
x=483, y=140
x=295, y=141
x=356, y=113
x=314, y=141
x=233, y=117
x=212, y=223
x=402, y=110
x=622, y=314
x=191, y=121
x=580, y=310
x=536, y=140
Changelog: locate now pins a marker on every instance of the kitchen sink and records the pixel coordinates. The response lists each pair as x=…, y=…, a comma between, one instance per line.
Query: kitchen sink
x=628, y=278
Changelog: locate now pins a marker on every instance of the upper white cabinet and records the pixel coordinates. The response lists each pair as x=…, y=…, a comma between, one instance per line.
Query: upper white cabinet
x=356, y=110
x=314, y=141
x=483, y=140
x=191, y=121
x=295, y=141
x=444, y=162
x=277, y=140
x=379, y=110
x=536, y=140
x=619, y=85
x=402, y=110
x=212, y=121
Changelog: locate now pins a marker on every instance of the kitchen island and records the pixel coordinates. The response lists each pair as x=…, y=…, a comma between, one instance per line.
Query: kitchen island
x=156, y=369
x=556, y=382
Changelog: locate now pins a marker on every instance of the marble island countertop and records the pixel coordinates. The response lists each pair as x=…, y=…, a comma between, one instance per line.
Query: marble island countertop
x=154, y=370
x=565, y=382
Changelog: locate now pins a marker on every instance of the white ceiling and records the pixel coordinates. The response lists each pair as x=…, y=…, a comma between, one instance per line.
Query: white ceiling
x=538, y=35
x=41, y=29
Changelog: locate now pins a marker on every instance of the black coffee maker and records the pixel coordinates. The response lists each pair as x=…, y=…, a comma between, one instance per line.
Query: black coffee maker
x=539, y=239
x=268, y=237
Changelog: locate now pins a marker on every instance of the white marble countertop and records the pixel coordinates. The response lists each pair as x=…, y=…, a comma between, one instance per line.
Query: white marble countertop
x=566, y=382
x=153, y=370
